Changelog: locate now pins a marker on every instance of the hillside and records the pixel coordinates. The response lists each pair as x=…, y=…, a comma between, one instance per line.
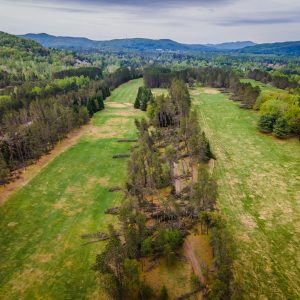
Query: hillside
x=232, y=45
x=143, y=44
x=9, y=42
x=135, y=44
x=286, y=48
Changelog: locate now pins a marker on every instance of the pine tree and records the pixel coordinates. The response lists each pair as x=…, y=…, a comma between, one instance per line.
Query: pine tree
x=281, y=128
x=266, y=123
x=4, y=171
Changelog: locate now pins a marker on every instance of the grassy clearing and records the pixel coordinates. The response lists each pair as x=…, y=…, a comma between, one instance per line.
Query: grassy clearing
x=265, y=88
x=42, y=256
x=259, y=186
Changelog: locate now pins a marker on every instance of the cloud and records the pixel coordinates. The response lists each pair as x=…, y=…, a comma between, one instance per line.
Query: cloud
x=266, y=18
x=190, y=21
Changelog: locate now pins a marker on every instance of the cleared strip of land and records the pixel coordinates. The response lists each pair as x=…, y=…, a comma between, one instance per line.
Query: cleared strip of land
x=259, y=186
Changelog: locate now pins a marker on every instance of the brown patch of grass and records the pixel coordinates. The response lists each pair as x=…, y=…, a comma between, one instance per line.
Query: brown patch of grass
x=113, y=127
x=210, y=91
x=12, y=224
x=115, y=105
x=104, y=181
x=42, y=257
x=175, y=277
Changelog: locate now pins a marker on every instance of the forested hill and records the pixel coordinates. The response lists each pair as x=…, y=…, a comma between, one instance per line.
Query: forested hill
x=136, y=44
x=232, y=45
x=142, y=44
x=9, y=42
x=286, y=48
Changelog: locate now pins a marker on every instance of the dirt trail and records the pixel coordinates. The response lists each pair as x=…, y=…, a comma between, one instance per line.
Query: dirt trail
x=31, y=171
x=190, y=255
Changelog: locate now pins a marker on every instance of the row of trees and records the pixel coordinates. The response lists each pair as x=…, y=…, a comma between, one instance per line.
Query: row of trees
x=208, y=76
x=171, y=136
x=280, y=81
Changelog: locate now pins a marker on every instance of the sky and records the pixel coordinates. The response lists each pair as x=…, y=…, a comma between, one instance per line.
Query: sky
x=188, y=21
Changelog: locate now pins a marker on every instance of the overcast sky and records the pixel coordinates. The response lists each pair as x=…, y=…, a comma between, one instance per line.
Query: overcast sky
x=190, y=21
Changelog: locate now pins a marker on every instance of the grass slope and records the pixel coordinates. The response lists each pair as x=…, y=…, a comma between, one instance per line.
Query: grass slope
x=259, y=186
x=265, y=88
x=42, y=256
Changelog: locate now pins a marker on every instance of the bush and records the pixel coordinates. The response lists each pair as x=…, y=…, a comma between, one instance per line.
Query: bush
x=281, y=128
x=266, y=123
x=163, y=293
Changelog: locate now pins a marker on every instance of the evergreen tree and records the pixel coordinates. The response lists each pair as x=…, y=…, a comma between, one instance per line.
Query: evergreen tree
x=266, y=123
x=163, y=293
x=281, y=128
x=4, y=171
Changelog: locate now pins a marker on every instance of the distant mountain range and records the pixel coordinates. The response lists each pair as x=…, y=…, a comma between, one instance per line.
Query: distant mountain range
x=141, y=44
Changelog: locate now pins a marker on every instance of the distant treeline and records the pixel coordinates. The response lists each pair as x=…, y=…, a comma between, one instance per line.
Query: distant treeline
x=280, y=111
x=37, y=115
x=215, y=77
x=90, y=72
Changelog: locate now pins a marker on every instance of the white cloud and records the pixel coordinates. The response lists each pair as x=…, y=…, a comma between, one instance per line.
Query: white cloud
x=191, y=21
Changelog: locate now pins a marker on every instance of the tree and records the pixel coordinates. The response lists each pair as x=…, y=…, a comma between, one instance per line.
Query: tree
x=109, y=264
x=266, y=123
x=281, y=128
x=163, y=295
x=4, y=171
x=204, y=191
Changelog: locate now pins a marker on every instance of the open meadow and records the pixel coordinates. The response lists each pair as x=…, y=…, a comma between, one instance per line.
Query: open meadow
x=259, y=193
x=42, y=252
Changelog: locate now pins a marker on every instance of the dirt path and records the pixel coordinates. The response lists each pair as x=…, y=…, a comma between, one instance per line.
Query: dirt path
x=191, y=257
x=31, y=171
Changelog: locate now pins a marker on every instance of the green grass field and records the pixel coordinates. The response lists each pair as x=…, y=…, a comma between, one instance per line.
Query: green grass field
x=42, y=256
x=265, y=88
x=259, y=193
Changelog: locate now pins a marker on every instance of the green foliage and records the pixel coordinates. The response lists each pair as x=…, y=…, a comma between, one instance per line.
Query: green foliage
x=144, y=97
x=4, y=171
x=281, y=128
x=163, y=295
x=266, y=122
x=196, y=284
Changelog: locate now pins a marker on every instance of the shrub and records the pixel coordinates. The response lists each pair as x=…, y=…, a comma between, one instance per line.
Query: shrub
x=163, y=293
x=266, y=123
x=281, y=128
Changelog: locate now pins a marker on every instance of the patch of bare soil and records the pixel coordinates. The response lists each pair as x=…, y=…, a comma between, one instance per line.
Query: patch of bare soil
x=31, y=171
x=115, y=105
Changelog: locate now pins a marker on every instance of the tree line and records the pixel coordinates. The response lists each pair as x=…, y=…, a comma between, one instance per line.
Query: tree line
x=280, y=81
x=170, y=136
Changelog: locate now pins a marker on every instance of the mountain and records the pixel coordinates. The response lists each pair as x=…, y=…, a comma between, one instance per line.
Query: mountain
x=60, y=42
x=231, y=45
x=142, y=44
x=137, y=44
x=285, y=48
